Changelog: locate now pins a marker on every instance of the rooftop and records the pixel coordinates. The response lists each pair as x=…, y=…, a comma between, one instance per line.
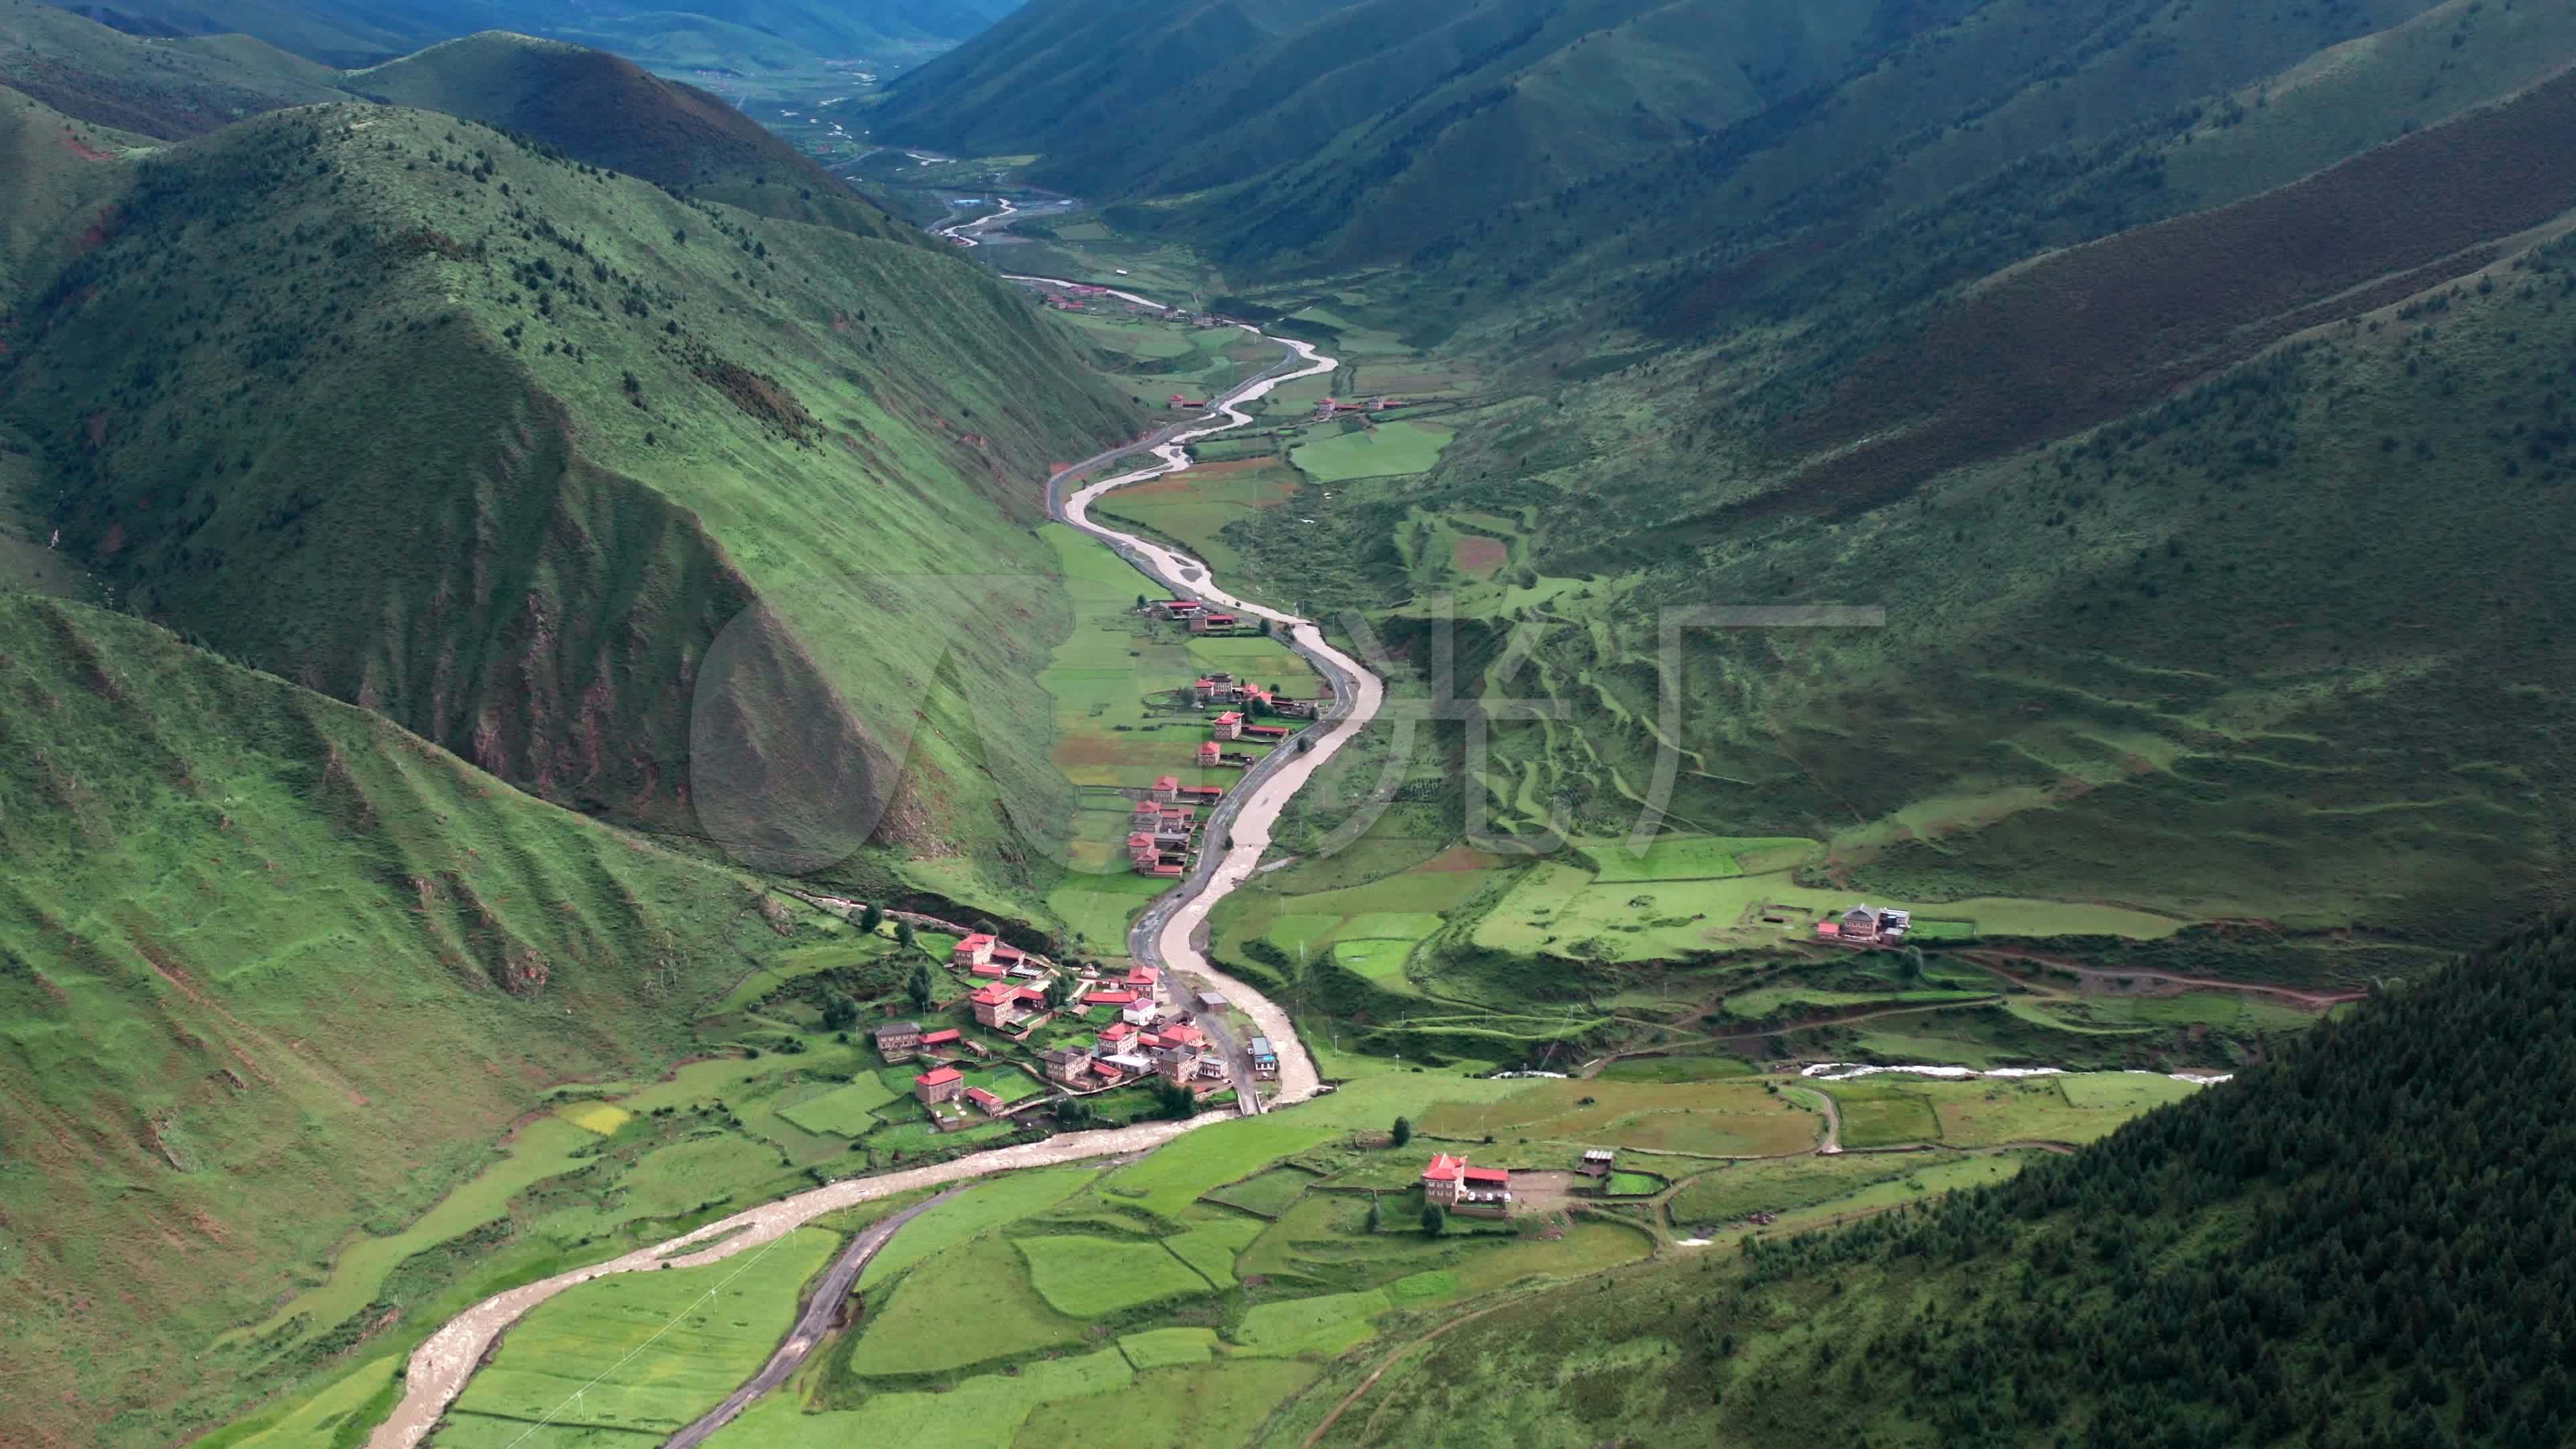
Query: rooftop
x=940, y=1078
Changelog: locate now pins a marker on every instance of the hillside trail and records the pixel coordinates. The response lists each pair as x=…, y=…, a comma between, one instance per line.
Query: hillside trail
x=1173, y=928
x=1987, y=957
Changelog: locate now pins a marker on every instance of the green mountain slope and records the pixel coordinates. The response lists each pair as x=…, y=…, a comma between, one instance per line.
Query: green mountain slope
x=502, y=446
x=344, y=33
x=611, y=112
x=1502, y=144
x=2352, y=1246
x=167, y=89
x=271, y=967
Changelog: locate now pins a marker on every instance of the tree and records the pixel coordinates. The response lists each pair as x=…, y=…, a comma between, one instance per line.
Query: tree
x=1074, y=1112
x=1435, y=1219
x=871, y=918
x=923, y=986
x=1377, y=1214
x=1179, y=1103
x=1059, y=990
x=1912, y=964
x=904, y=933
x=1402, y=1132
x=839, y=1011
x=1142, y=603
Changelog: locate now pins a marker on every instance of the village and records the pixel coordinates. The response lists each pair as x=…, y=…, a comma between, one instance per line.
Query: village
x=1015, y=1032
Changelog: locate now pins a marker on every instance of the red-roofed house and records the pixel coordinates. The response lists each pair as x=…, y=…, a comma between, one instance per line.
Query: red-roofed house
x=1167, y=787
x=945, y=1037
x=998, y=1005
x=1442, y=1179
x=1207, y=757
x=1146, y=813
x=972, y=950
x=946, y=1084
x=993, y=1106
x=1481, y=1191
x=991, y=970
x=1143, y=977
x=1228, y=726
x=1110, y=998
x=1118, y=1036
x=1181, y=1033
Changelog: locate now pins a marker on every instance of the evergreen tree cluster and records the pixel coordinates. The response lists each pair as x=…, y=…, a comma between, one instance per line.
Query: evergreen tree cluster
x=2358, y=1245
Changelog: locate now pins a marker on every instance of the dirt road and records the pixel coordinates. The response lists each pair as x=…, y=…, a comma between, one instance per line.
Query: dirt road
x=820, y=1310
x=440, y=1367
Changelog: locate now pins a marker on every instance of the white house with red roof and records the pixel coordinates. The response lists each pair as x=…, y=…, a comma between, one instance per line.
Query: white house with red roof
x=1167, y=787
x=944, y=1084
x=997, y=1006
x=993, y=1106
x=1227, y=726
x=1452, y=1182
x=972, y=951
x=1207, y=755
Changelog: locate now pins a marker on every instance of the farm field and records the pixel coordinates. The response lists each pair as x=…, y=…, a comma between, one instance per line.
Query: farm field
x=1386, y=450
x=1562, y=908
x=707, y=1330
x=1094, y=1277
x=1729, y=1119
x=1696, y=857
x=2073, y=1108
x=1882, y=1114
x=846, y=1111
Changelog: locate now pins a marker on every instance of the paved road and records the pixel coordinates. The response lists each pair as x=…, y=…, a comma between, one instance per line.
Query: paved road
x=820, y=1311
x=438, y=1370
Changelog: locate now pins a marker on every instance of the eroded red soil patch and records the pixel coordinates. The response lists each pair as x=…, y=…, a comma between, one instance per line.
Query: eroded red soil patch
x=84, y=150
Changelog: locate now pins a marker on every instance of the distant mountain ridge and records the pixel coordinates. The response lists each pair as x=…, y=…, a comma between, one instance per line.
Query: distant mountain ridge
x=348, y=33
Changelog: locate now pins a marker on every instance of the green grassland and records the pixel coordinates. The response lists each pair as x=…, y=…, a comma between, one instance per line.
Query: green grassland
x=646, y=1352
x=1376, y=452
x=221, y=888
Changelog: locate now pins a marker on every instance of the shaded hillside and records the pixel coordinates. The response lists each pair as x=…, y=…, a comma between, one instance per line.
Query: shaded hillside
x=737, y=33
x=2352, y=1246
x=503, y=446
x=610, y=112
x=1493, y=147
x=271, y=967
x=59, y=174
x=1004, y=91
x=2084, y=335
x=164, y=89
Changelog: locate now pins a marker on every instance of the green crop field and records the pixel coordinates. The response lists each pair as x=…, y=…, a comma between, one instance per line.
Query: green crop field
x=645, y=1351
x=1326, y=1323
x=978, y=1210
x=1389, y=449
x=1880, y=1114
x=1706, y=1118
x=1095, y=1277
x=1212, y=1244
x=1736, y=1191
x=1168, y=1347
x=2123, y=1091
x=982, y=1412
x=1687, y=857
x=1180, y=1172
x=1267, y=1193
x=1633, y=1184
x=1178, y=1408
x=963, y=1305
x=845, y=1111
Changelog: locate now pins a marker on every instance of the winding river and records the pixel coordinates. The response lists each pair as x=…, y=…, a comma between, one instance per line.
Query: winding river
x=1170, y=933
